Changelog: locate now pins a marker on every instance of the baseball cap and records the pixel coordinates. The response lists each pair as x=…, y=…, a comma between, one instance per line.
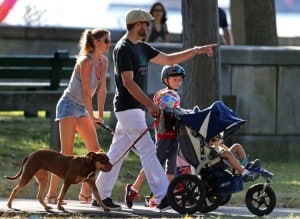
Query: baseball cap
x=136, y=15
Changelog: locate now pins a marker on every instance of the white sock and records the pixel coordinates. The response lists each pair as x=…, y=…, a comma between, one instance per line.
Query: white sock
x=245, y=172
x=132, y=188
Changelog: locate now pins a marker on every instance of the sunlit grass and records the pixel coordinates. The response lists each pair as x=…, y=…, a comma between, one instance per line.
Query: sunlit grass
x=41, y=114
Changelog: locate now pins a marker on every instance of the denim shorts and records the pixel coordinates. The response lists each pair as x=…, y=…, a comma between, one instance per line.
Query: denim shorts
x=67, y=108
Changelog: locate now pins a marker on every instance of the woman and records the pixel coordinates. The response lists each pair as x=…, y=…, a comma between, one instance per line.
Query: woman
x=158, y=30
x=74, y=110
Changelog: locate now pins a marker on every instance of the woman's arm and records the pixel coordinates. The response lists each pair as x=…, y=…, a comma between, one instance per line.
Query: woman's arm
x=85, y=69
x=102, y=92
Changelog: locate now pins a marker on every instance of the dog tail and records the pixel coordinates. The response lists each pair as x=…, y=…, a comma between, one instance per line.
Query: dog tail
x=20, y=171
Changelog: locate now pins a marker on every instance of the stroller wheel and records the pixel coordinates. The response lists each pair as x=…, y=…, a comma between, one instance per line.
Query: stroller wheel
x=211, y=202
x=226, y=198
x=260, y=201
x=186, y=193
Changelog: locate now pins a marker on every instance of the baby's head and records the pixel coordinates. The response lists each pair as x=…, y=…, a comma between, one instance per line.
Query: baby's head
x=172, y=76
x=217, y=140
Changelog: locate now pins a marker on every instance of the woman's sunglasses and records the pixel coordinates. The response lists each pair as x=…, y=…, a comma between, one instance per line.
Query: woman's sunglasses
x=106, y=41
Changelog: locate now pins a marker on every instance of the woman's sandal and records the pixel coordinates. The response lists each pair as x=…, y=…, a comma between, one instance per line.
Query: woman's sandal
x=85, y=199
x=53, y=200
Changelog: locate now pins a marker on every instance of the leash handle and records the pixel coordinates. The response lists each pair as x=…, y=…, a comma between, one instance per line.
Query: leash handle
x=106, y=127
x=132, y=145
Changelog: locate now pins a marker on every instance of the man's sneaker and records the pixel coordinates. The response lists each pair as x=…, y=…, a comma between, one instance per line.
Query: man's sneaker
x=253, y=164
x=109, y=203
x=129, y=196
x=164, y=204
x=250, y=176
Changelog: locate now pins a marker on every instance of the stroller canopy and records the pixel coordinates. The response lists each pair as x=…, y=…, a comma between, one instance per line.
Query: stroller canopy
x=213, y=120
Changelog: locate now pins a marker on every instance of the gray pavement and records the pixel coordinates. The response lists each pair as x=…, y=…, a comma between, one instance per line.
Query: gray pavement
x=31, y=208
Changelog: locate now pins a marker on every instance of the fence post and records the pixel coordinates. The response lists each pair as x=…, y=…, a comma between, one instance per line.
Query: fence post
x=54, y=132
x=57, y=67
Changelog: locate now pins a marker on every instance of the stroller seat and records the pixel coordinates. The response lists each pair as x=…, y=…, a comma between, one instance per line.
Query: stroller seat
x=196, y=128
x=196, y=153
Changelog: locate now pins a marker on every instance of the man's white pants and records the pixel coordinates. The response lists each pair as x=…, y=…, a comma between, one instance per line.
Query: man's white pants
x=130, y=125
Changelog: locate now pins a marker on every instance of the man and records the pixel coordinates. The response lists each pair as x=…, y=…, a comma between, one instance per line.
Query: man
x=131, y=57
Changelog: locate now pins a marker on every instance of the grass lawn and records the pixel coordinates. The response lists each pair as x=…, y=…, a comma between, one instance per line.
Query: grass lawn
x=20, y=136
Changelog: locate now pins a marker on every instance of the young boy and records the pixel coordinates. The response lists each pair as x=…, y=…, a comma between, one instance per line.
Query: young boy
x=236, y=157
x=166, y=136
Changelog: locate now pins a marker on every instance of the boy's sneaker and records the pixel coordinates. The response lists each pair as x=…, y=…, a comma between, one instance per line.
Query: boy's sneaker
x=253, y=164
x=164, y=204
x=250, y=176
x=266, y=173
x=129, y=196
x=109, y=203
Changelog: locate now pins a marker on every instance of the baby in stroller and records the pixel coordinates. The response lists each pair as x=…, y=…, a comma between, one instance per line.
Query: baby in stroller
x=236, y=157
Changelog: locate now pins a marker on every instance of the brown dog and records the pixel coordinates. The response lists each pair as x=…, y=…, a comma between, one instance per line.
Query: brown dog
x=72, y=169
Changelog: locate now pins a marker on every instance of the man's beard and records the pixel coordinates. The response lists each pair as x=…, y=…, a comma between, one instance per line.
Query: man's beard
x=142, y=33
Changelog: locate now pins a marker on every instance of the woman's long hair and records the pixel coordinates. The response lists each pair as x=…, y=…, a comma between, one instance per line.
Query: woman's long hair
x=86, y=42
x=164, y=17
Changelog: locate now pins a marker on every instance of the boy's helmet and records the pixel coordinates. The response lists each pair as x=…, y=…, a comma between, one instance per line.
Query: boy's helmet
x=173, y=70
x=167, y=98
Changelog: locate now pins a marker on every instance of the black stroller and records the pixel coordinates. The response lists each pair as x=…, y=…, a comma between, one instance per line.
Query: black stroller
x=213, y=181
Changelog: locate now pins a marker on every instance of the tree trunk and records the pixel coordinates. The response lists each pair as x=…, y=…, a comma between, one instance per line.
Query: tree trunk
x=200, y=27
x=237, y=22
x=259, y=19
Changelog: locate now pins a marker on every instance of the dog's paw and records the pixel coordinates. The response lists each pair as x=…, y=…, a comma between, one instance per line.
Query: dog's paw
x=106, y=208
x=60, y=207
x=47, y=207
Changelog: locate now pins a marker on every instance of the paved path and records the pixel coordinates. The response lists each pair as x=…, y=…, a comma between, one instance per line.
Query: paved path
x=31, y=208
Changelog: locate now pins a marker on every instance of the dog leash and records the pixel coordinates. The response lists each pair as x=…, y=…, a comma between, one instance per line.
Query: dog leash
x=106, y=127
x=132, y=145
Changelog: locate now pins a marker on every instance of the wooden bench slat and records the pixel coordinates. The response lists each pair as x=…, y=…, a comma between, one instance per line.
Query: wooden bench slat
x=26, y=73
x=52, y=69
x=26, y=61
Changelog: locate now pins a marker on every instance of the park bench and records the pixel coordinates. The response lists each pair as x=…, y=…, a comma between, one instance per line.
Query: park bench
x=35, y=72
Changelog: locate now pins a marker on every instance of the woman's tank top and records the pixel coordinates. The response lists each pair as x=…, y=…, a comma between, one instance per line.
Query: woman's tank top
x=74, y=89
